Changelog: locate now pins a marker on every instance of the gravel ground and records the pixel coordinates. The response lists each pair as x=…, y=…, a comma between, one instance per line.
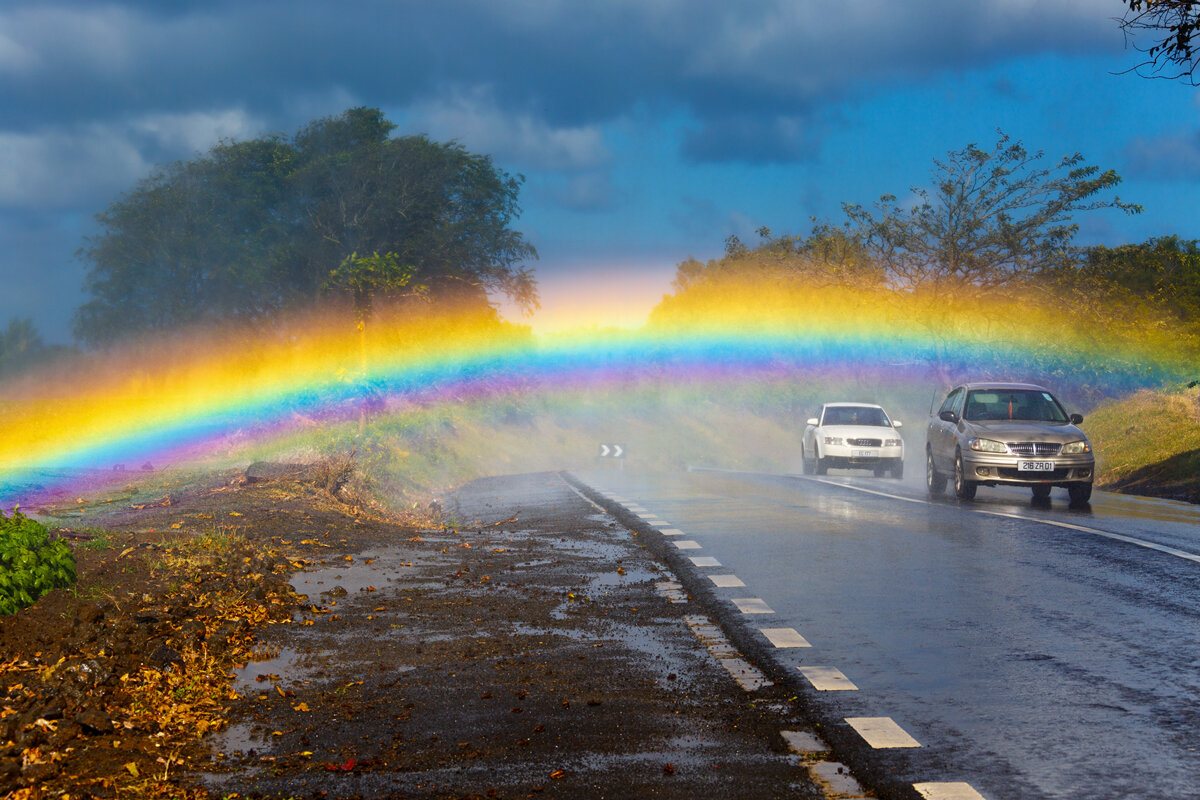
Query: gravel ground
x=530, y=646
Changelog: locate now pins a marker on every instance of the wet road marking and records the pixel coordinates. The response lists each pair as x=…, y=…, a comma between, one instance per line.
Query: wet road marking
x=726, y=581
x=705, y=561
x=649, y=517
x=1161, y=548
x=687, y=544
x=881, y=732
x=746, y=675
x=660, y=524
x=671, y=590
x=828, y=679
x=784, y=637
x=752, y=605
x=671, y=532
x=804, y=742
x=837, y=779
x=950, y=790
x=587, y=499
x=636, y=509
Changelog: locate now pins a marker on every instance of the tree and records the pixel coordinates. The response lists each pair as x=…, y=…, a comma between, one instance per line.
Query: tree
x=1175, y=25
x=20, y=345
x=254, y=227
x=992, y=219
x=1162, y=273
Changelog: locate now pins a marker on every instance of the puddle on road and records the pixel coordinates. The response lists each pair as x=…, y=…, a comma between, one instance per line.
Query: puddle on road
x=288, y=666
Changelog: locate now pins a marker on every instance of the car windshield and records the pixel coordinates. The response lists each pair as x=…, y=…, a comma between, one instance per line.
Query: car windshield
x=1015, y=404
x=856, y=415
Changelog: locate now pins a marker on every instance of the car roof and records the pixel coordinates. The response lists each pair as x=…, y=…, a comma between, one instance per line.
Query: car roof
x=1002, y=386
x=852, y=405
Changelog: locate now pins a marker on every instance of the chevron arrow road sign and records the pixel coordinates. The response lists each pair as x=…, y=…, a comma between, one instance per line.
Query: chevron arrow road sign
x=612, y=451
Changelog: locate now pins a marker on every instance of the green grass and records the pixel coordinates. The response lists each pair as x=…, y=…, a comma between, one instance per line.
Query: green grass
x=1145, y=429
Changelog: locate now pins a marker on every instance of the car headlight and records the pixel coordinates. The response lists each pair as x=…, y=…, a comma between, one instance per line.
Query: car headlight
x=987, y=446
x=1076, y=448
x=893, y=442
x=833, y=440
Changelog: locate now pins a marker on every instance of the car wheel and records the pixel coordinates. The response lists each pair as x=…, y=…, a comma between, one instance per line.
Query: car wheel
x=821, y=465
x=805, y=467
x=963, y=488
x=898, y=470
x=880, y=471
x=1079, y=493
x=1041, y=492
x=935, y=482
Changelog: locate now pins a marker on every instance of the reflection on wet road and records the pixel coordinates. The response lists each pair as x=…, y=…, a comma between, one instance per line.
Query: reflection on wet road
x=1032, y=651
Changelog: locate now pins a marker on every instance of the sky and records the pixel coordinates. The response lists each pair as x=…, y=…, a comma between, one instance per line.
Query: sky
x=647, y=131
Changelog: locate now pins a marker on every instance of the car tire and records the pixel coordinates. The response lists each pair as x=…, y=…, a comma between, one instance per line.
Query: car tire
x=898, y=470
x=880, y=471
x=1079, y=493
x=807, y=467
x=1041, y=492
x=963, y=489
x=820, y=465
x=935, y=482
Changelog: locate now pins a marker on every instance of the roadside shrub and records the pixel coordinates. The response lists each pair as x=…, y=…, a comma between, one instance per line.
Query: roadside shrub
x=30, y=563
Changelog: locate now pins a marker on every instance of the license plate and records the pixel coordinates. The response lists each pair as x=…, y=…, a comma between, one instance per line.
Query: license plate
x=864, y=453
x=1035, y=466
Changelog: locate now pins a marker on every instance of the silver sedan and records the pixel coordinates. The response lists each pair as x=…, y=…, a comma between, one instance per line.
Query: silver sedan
x=1016, y=434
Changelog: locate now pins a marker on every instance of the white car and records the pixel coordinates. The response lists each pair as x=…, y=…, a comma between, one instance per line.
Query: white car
x=853, y=436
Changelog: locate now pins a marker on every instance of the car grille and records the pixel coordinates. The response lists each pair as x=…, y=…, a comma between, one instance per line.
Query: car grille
x=1034, y=448
x=865, y=442
x=1011, y=473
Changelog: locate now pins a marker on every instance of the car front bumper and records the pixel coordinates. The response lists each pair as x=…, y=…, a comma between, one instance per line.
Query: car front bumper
x=847, y=457
x=1002, y=468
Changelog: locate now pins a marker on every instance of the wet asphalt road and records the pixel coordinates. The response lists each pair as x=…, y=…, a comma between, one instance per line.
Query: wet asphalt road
x=1032, y=652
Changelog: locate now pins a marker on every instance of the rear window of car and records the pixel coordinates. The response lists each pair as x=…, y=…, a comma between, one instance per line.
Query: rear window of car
x=1013, y=404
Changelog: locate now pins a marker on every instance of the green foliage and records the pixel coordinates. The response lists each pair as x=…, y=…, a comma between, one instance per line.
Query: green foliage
x=30, y=563
x=364, y=277
x=1163, y=273
x=991, y=219
x=254, y=227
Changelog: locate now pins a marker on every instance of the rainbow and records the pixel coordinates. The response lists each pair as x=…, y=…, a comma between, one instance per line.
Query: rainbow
x=184, y=399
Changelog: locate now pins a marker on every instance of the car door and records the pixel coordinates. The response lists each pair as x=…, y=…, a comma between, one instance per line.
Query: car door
x=942, y=432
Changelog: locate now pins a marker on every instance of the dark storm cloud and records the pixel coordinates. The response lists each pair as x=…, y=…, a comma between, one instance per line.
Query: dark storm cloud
x=568, y=63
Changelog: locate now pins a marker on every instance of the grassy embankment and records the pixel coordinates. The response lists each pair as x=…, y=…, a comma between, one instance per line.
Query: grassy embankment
x=1149, y=443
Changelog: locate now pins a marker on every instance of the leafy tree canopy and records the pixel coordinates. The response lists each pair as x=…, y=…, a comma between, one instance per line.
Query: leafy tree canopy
x=253, y=227
x=993, y=217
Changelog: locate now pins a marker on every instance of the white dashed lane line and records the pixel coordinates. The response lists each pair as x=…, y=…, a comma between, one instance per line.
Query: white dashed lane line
x=752, y=605
x=881, y=732
x=828, y=679
x=949, y=790
x=878, y=732
x=784, y=637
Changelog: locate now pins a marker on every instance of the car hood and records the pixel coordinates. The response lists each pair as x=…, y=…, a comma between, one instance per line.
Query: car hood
x=1005, y=431
x=860, y=432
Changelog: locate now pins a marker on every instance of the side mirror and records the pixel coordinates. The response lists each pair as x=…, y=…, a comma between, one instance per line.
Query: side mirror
x=948, y=416
x=897, y=423
x=1076, y=419
x=811, y=421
